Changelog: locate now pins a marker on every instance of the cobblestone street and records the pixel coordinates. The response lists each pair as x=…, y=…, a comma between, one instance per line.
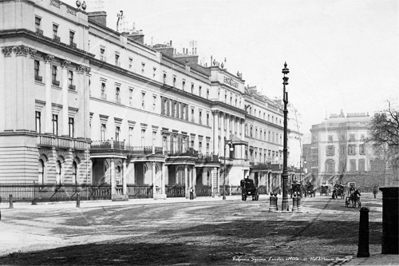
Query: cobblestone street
x=178, y=231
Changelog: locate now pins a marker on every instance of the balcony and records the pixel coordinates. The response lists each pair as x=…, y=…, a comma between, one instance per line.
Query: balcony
x=56, y=82
x=120, y=147
x=56, y=38
x=39, y=32
x=72, y=87
x=208, y=158
x=61, y=142
x=73, y=45
x=185, y=152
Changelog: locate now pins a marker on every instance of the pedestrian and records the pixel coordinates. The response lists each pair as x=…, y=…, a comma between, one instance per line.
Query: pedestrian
x=375, y=191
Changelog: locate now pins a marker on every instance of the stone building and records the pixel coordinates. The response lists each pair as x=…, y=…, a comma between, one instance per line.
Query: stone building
x=85, y=104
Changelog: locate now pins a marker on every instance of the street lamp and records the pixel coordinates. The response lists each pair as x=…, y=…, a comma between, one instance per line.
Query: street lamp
x=230, y=143
x=284, y=206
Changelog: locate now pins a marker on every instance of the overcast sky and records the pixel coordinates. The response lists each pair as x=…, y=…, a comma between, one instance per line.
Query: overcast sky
x=342, y=54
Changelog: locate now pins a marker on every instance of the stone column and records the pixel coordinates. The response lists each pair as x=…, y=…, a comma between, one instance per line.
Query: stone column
x=164, y=175
x=242, y=137
x=215, y=132
x=222, y=134
x=65, y=113
x=154, y=189
x=49, y=112
x=194, y=184
x=186, y=183
x=133, y=173
x=124, y=181
x=113, y=179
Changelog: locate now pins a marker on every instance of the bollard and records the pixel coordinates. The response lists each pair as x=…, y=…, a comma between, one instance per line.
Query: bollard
x=10, y=201
x=390, y=220
x=273, y=205
x=78, y=200
x=294, y=203
x=298, y=203
x=191, y=194
x=363, y=245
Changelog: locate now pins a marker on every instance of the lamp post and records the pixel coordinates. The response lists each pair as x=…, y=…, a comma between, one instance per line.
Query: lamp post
x=284, y=206
x=225, y=172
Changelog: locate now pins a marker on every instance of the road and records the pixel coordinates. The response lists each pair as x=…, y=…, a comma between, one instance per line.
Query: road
x=183, y=232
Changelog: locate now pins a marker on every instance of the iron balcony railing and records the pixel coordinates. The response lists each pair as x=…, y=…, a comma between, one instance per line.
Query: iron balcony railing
x=62, y=142
x=120, y=146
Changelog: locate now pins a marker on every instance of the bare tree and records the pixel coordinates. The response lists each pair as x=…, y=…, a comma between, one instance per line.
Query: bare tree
x=384, y=137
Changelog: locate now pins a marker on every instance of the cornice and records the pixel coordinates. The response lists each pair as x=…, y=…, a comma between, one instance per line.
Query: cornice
x=248, y=116
x=24, y=33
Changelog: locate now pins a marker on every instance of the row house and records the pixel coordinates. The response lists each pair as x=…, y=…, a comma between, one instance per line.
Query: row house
x=98, y=107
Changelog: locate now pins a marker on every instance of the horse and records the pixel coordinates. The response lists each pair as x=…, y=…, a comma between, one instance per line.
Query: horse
x=354, y=198
x=338, y=192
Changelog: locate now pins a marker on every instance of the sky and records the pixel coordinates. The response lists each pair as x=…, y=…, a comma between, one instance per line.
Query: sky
x=342, y=54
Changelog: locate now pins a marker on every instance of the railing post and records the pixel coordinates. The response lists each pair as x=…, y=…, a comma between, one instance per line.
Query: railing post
x=78, y=200
x=34, y=193
x=10, y=201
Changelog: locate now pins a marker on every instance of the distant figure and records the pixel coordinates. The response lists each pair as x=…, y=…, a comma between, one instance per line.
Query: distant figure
x=375, y=191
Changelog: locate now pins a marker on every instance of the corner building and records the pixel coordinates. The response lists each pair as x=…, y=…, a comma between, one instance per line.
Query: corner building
x=85, y=105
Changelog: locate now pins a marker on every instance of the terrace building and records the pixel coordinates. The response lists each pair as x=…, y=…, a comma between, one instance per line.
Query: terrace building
x=100, y=112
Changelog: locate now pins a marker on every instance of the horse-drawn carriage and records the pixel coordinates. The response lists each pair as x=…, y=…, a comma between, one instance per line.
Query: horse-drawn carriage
x=296, y=189
x=324, y=189
x=353, y=197
x=339, y=191
x=309, y=190
x=248, y=189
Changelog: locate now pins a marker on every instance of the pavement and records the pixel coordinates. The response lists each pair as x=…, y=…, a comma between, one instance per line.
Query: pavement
x=373, y=259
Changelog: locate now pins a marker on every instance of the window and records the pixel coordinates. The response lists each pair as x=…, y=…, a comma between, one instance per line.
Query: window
x=200, y=117
x=164, y=77
x=192, y=115
x=117, y=95
x=54, y=76
x=184, y=112
x=330, y=138
x=70, y=80
x=352, y=138
x=37, y=70
x=117, y=63
x=143, y=100
x=352, y=149
x=130, y=136
x=102, y=53
x=103, y=95
x=207, y=119
x=103, y=131
x=74, y=173
x=330, y=150
x=130, y=96
x=38, y=23
x=330, y=166
x=117, y=133
x=352, y=165
x=207, y=93
x=41, y=171
x=71, y=126
x=174, y=81
x=130, y=62
x=55, y=124
x=58, y=172
x=165, y=143
x=183, y=84
x=361, y=149
x=154, y=98
x=142, y=137
x=55, y=32
x=38, y=122
x=199, y=91
x=362, y=165
x=71, y=39
x=175, y=110
x=192, y=87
